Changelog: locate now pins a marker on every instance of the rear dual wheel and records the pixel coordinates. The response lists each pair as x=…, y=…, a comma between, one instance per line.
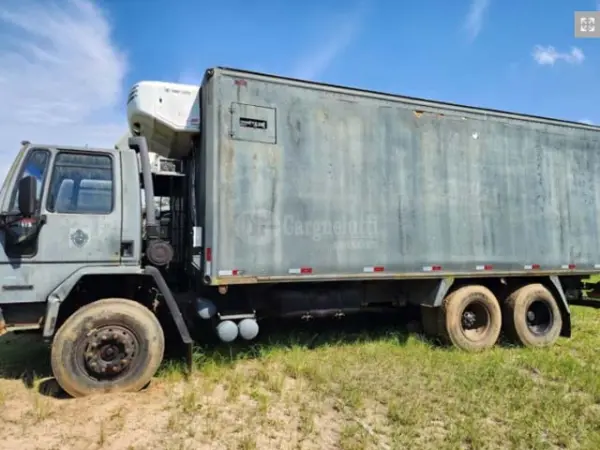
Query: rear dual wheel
x=471, y=318
x=532, y=317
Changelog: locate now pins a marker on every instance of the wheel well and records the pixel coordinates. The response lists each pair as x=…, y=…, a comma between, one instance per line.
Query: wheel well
x=138, y=288
x=495, y=285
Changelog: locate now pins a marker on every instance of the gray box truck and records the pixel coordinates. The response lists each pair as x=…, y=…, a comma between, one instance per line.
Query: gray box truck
x=293, y=198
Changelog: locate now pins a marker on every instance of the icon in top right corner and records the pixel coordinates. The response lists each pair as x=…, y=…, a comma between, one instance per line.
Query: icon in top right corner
x=585, y=24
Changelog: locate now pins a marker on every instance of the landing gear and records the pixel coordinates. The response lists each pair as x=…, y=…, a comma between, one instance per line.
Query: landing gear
x=532, y=316
x=111, y=345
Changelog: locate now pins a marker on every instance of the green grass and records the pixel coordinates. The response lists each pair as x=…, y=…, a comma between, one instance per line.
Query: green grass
x=412, y=394
x=386, y=390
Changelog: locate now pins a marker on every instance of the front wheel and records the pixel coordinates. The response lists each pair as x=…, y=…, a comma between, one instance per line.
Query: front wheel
x=110, y=345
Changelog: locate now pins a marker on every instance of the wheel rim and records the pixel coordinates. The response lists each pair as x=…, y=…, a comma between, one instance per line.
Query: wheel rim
x=475, y=321
x=109, y=352
x=539, y=317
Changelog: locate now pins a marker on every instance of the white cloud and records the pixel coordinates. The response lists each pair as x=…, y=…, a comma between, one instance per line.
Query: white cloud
x=587, y=121
x=341, y=33
x=474, y=20
x=61, y=76
x=549, y=55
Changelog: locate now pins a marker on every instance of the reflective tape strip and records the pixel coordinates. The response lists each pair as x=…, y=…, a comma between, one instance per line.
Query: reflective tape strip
x=229, y=273
x=300, y=271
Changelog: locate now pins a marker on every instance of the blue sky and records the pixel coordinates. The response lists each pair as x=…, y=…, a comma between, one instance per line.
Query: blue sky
x=476, y=52
x=67, y=81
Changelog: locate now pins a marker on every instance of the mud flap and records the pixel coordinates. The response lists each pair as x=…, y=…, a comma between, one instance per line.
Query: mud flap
x=175, y=313
x=563, y=304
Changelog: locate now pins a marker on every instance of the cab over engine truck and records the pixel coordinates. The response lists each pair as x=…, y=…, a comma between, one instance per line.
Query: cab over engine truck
x=293, y=198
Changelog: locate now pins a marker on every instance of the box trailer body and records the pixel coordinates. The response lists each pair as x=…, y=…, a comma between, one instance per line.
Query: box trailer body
x=305, y=180
x=287, y=198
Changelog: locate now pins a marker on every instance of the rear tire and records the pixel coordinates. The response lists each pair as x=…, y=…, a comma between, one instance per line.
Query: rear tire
x=470, y=319
x=110, y=345
x=532, y=317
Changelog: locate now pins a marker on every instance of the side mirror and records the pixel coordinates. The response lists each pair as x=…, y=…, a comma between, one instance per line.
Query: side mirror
x=27, y=196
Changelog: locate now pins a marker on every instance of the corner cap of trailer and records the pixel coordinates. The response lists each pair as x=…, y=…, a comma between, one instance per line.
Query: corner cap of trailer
x=166, y=114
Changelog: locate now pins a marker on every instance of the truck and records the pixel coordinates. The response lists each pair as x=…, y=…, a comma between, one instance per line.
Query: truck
x=257, y=196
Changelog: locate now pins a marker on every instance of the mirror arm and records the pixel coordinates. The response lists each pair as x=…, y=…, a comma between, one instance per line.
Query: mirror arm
x=7, y=219
x=37, y=225
x=35, y=232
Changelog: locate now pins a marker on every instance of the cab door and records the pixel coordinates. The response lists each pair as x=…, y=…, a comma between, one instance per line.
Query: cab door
x=77, y=223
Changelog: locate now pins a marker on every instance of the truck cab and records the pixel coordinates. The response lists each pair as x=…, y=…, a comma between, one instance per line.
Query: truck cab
x=61, y=210
x=88, y=205
x=78, y=246
x=83, y=234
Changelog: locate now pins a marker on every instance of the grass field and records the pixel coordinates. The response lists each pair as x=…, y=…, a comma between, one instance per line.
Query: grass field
x=364, y=387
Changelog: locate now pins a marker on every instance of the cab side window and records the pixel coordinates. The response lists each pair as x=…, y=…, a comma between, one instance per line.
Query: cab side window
x=82, y=183
x=36, y=165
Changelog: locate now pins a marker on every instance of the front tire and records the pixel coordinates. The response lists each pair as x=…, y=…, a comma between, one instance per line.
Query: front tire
x=532, y=316
x=110, y=345
x=471, y=318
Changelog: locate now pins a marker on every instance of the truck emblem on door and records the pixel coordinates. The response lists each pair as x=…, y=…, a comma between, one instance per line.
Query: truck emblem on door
x=79, y=238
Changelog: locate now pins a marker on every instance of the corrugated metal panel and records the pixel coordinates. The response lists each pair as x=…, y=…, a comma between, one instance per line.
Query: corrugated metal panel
x=353, y=181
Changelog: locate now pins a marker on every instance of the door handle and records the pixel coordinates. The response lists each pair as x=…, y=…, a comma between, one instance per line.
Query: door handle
x=127, y=248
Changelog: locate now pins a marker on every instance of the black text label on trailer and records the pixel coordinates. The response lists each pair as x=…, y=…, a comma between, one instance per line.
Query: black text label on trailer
x=253, y=123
